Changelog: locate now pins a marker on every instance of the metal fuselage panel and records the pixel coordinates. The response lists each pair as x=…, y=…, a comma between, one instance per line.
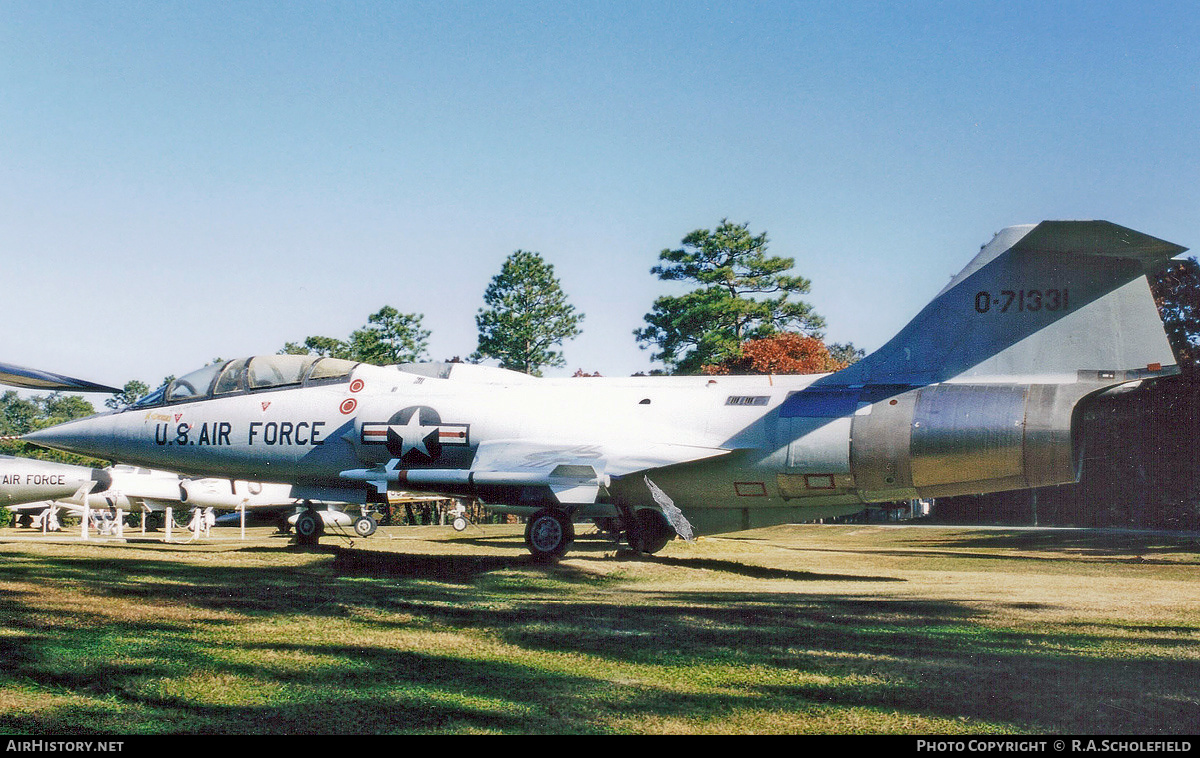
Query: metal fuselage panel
x=967, y=433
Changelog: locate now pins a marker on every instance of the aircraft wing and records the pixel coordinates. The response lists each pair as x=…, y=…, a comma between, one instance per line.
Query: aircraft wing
x=30, y=378
x=574, y=472
x=158, y=505
x=31, y=507
x=61, y=505
x=152, y=504
x=614, y=459
x=161, y=504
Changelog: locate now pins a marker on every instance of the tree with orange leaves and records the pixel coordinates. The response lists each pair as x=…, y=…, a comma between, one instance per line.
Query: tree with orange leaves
x=783, y=354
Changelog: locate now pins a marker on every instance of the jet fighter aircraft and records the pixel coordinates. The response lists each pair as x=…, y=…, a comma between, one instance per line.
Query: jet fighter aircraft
x=978, y=393
x=28, y=485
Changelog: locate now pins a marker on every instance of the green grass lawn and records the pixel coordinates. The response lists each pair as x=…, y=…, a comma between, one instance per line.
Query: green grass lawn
x=800, y=629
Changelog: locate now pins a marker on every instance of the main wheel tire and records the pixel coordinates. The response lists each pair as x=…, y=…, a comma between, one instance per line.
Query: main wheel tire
x=365, y=526
x=309, y=527
x=549, y=534
x=459, y=523
x=651, y=531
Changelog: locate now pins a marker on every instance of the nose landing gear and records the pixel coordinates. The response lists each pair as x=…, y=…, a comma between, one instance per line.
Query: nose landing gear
x=365, y=526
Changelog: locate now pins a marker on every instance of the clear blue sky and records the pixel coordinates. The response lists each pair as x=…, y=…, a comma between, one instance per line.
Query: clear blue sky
x=181, y=181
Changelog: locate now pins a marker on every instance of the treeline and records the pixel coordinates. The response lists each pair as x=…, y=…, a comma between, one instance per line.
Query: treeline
x=741, y=313
x=526, y=318
x=1140, y=465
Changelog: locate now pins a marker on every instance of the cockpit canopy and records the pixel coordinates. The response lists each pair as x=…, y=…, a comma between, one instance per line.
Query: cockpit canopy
x=262, y=372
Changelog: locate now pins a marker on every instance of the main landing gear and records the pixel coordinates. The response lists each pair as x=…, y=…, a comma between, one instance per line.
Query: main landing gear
x=647, y=531
x=550, y=532
x=310, y=524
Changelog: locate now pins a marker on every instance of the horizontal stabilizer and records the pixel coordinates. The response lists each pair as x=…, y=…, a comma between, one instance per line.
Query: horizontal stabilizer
x=1102, y=238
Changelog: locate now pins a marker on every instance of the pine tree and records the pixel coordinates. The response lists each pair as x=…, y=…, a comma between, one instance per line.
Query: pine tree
x=743, y=294
x=527, y=315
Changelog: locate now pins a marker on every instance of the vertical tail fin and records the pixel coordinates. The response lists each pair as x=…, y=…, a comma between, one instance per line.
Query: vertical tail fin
x=1054, y=298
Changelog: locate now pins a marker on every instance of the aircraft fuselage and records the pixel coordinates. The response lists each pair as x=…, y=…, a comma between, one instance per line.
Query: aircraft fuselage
x=798, y=447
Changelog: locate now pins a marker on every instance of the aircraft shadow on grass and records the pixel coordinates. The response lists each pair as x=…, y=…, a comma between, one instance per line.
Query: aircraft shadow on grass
x=915, y=657
x=465, y=567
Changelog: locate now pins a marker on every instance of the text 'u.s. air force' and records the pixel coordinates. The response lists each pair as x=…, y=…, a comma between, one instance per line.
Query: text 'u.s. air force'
x=221, y=433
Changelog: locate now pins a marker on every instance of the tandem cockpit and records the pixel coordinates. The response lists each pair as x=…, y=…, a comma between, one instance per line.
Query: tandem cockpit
x=256, y=374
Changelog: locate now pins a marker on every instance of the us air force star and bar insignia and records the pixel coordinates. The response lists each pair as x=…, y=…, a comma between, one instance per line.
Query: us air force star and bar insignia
x=416, y=434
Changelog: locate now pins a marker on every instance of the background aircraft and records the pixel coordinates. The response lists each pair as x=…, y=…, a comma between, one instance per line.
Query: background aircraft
x=42, y=488
x=978, y=393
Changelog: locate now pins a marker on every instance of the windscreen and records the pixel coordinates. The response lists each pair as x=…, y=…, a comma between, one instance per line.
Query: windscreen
x=193, y=385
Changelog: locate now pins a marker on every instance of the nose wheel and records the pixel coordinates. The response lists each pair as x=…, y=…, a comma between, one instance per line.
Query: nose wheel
x=309, y=528
x=365, y=526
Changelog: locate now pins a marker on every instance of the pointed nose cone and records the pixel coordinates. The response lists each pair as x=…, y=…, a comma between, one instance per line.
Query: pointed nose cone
x=88, y=436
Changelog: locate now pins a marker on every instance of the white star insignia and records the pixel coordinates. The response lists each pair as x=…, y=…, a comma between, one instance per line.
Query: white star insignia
x=413, y=435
